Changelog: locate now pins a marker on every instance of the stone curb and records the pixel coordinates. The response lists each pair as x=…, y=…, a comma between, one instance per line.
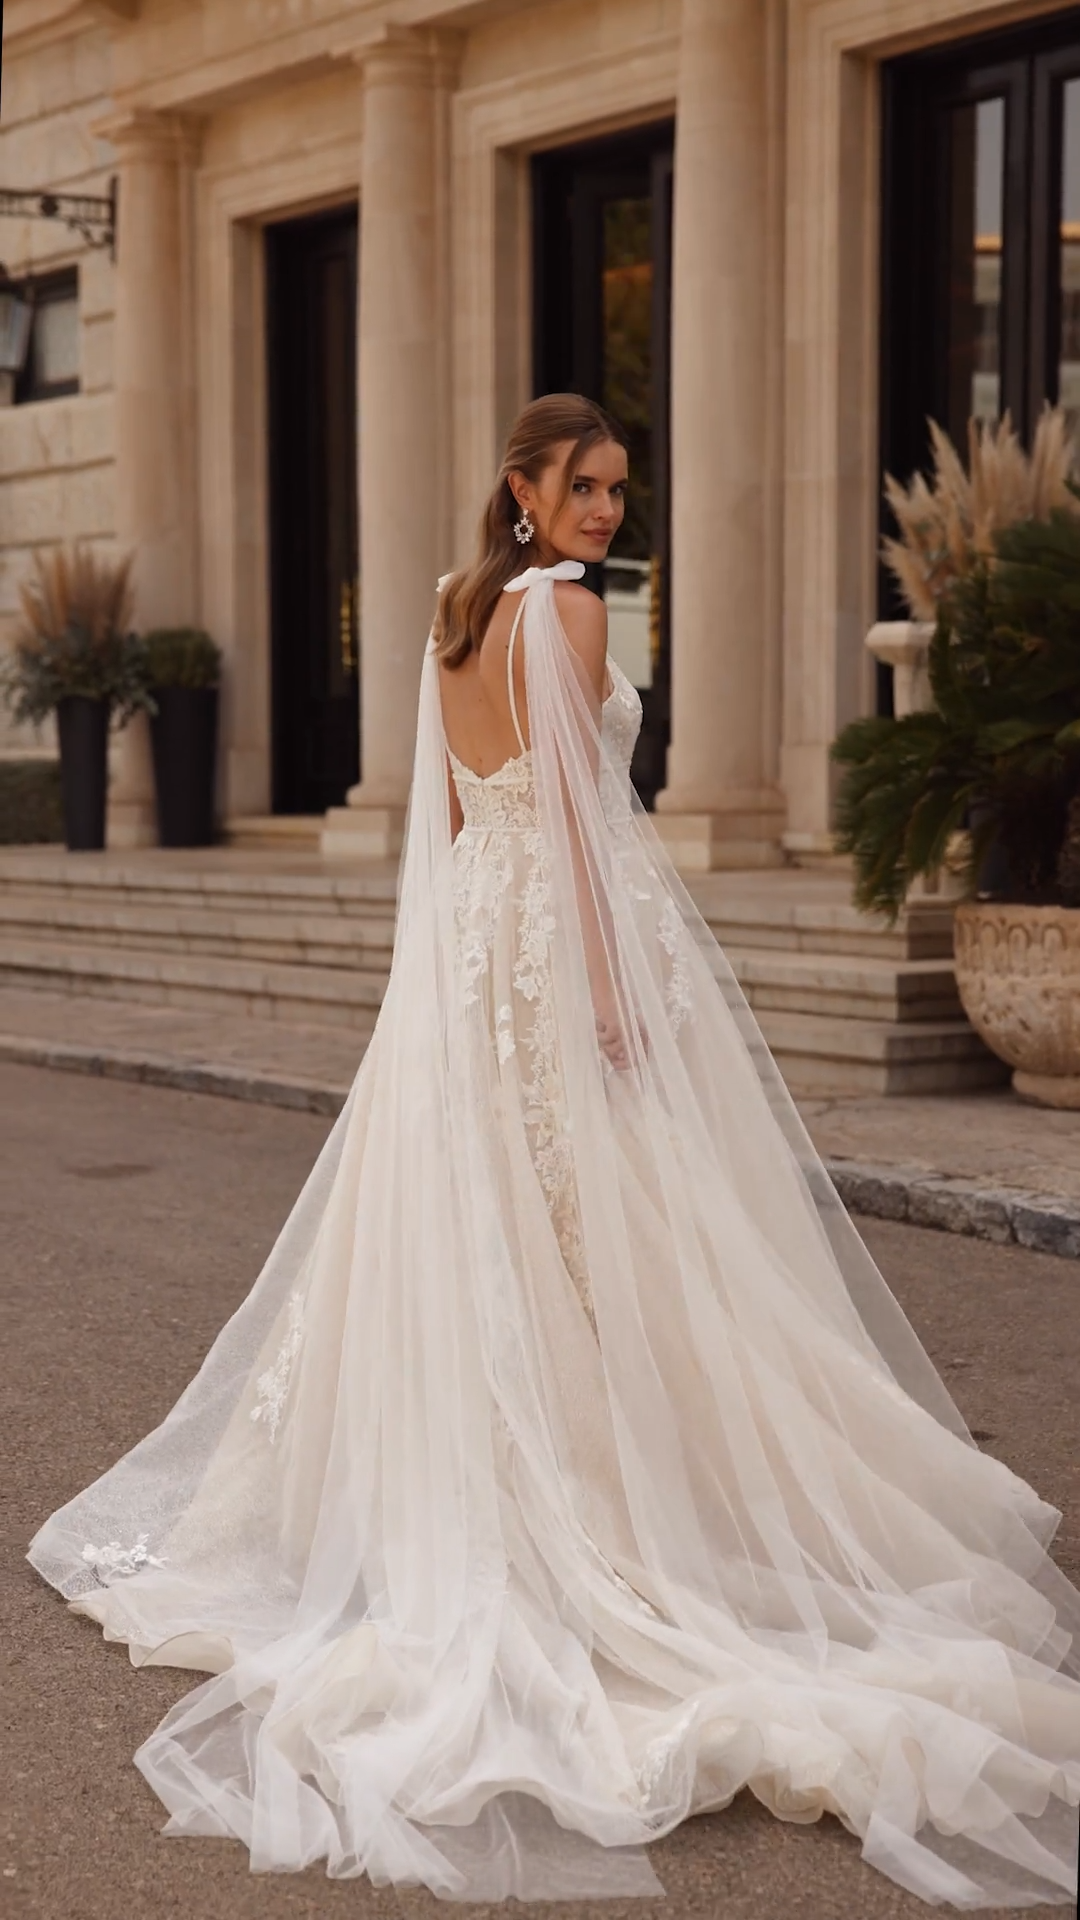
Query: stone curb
x=161, y=1070
x=1041, y=1222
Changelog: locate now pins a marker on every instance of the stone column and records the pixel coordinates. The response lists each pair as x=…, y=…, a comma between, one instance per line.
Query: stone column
x=156, y=516
x=404, y=470
x=721, y=806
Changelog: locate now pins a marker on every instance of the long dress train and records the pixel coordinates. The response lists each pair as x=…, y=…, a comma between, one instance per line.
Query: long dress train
x=570, y=1465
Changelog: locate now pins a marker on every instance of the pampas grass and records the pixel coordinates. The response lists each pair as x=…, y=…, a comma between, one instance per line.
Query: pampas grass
x=76, y=589
x=74, y=639
x=947, y=523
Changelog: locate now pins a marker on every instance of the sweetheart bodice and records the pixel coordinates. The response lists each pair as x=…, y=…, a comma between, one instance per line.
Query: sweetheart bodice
x=506, y=799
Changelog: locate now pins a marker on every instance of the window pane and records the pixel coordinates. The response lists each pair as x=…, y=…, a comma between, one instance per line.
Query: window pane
x=975, y=263
x=627, y=383
x=1069, y=346
x=56, y=342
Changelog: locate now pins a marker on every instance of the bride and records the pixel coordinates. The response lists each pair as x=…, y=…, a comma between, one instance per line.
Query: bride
x=570, y=1466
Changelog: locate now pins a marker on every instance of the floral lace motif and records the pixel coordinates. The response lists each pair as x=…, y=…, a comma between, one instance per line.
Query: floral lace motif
x=113, y=1561
x=504, y=800
x=672, y=936
x=500, y=868
x=272, y=1387
x=659, y=1751
x=546, y=1119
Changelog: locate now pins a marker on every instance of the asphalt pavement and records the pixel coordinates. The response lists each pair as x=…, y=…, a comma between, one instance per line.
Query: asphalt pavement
x=135, y=1218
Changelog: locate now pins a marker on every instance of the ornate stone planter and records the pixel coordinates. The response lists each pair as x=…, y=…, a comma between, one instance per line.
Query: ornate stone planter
x=1018, y=975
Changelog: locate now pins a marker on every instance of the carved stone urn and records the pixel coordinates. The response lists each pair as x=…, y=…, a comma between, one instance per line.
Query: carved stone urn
x=1018, y=975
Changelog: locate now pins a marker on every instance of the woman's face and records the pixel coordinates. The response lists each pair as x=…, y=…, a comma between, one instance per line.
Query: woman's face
x=584, y=527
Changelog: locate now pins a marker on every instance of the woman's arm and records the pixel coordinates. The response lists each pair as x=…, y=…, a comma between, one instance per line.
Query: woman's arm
x=457, y=818
x=584, y=621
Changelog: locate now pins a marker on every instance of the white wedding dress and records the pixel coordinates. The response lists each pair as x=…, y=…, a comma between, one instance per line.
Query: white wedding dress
x=570, y=1466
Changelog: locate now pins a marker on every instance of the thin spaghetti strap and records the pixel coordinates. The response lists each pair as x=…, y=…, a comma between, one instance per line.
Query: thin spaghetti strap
x=510, y=672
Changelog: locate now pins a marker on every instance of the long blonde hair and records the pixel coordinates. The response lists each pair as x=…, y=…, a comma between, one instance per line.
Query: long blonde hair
x=470, y=597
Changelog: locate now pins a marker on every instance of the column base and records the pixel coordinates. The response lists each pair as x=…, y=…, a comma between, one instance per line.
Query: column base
x=816, y=851
x=706, y=843
x=741, y=834
x=131, y=823
x=362, y=833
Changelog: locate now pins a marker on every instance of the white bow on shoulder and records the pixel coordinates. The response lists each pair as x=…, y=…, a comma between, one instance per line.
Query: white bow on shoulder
x=562, y=570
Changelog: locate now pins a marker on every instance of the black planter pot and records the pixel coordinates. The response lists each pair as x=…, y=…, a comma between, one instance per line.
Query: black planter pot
x=83, y=727
x=183, y=736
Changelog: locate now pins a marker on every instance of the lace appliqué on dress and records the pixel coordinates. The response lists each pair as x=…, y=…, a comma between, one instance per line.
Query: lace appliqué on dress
x=113, y=1561
x=272, y=1386
x=546, y=1119
x=671, y=932
x=659, y=1751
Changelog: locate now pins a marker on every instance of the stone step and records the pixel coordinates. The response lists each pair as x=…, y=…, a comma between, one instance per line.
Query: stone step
x=301, y=994
x=274, y=831
x=256, y=879
x=821, y=1055
x=813, y=913
x=289, y=932
x=856, y=986
x=796, y=912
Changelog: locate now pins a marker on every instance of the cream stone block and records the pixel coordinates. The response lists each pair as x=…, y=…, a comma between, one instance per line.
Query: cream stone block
x=283, y=123
x=225, y=48
x=53, y=77
x=64, y=505
x=712, y=842
x=58, y=149
x=534, y=41
x=356, y=833
x=47, y=434
x=96, y=364
x=97, y=285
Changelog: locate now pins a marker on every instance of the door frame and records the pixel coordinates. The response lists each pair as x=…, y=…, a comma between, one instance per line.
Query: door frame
x=289, y=430
x=232, y=205
x=567, y=340
x=497, y=127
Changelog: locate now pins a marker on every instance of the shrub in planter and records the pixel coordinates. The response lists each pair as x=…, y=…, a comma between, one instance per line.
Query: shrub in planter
x=74, y=656
x=30, y=811
x=988, y=781
x=184, y=670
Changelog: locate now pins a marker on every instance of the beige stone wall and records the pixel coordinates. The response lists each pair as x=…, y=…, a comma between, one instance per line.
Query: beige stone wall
x=56, y=456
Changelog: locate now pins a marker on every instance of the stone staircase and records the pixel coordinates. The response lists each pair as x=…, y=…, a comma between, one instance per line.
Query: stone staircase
x=846, y=1006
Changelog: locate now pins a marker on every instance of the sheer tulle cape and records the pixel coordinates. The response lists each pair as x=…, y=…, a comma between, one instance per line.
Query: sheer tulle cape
x=495, y=1585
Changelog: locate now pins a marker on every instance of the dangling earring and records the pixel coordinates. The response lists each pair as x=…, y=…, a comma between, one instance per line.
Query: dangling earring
x=523, y=528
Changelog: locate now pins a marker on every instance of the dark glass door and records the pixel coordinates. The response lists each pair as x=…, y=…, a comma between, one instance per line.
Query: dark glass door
x=981, y=238
x=602, y=280
x=311, y=314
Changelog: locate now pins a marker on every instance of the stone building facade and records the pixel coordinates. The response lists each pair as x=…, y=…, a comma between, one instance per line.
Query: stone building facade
x=356, y=235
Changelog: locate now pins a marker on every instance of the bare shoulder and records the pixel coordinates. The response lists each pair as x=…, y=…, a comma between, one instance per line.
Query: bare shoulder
x=584, y=621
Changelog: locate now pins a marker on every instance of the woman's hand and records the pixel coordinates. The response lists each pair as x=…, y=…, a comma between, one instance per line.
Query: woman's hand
x=612, y=1040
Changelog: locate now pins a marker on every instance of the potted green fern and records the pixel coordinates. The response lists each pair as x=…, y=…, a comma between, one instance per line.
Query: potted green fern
x=75, y=657
x=987, y=780
x=184, y=671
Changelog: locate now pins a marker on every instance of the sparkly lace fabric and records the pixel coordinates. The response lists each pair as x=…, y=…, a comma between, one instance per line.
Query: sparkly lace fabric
x=502, y=910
